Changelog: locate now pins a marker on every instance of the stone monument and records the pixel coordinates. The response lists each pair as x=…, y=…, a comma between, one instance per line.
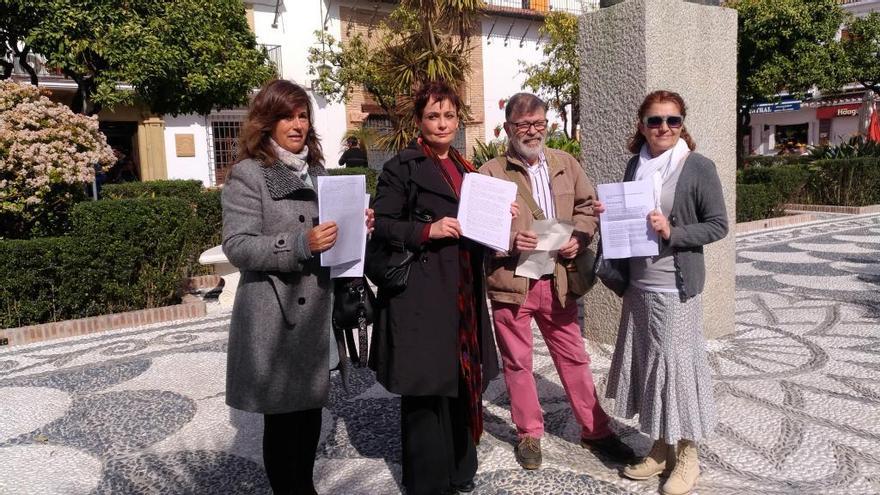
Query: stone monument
x=632, y=48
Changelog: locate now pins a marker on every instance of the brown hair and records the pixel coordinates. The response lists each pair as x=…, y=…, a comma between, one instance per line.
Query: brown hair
x=276, y=100
x=522, y=103
x=635, y=142
x=436, y=91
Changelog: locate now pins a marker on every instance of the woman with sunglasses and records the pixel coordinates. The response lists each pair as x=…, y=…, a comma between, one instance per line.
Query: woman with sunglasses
x=659, y=369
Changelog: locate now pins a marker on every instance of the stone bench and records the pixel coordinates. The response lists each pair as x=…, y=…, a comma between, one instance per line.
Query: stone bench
x=225, y=269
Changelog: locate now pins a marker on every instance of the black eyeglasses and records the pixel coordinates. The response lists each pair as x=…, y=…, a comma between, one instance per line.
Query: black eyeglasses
x=539, y=125
x=656, y=121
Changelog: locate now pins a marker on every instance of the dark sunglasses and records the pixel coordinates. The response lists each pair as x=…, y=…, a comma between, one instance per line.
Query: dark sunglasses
x=656, y=121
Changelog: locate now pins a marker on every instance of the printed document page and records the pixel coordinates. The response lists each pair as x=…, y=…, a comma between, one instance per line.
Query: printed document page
x=552, y=235
x=353, y=268
x=624, y=225
x=484, y=210
x=335, y=203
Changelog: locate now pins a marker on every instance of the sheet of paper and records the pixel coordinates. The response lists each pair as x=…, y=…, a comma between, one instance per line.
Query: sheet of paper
x=484, y=210
x=536, y=264
x=552, y=235
x=335, y=203
x=625, y=230
x=353, y=268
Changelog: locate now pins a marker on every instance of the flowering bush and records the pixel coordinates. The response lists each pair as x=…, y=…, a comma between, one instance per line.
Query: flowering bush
x=47, y=154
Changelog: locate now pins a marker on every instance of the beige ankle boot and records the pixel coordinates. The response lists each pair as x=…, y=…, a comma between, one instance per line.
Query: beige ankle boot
x=683, y=478
x=659, y=460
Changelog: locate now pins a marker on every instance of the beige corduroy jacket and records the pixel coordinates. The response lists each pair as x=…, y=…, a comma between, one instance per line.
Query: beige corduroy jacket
x=573, y=196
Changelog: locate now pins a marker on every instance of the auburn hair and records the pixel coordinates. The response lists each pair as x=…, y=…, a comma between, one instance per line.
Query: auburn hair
x=277, y=100
x=434, y=91
x=637, y=140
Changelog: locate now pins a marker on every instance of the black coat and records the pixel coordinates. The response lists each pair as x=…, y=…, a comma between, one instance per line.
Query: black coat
x=415, y=341
x=353, y=157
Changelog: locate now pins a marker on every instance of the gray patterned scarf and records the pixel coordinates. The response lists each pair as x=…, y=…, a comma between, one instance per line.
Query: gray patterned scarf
x=296, y=161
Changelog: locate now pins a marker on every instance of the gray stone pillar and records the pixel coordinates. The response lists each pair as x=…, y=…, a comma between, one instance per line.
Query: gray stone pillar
x=638, y=46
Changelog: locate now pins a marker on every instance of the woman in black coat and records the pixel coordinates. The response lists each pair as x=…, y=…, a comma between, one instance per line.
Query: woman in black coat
x=433, y=344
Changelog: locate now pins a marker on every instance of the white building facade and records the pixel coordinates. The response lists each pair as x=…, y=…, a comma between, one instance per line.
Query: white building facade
x=509, y=34
x=818, y=120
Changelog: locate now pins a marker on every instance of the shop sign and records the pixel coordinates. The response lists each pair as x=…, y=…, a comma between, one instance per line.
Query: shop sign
x=851, y=110
x=782, y=106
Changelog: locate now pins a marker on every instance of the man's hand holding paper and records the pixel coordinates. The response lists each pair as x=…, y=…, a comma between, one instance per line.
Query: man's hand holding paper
x=547, y=237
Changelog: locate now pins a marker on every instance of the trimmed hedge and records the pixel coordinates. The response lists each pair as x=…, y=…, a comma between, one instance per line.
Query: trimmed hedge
x=776, y=160
x=33, y=287
x=121, y=255
x=206, y=203
x=153, y=243
x=372, y=176
x=843, y=182
x=189, y=189
x=756, y=202
x=761, y=191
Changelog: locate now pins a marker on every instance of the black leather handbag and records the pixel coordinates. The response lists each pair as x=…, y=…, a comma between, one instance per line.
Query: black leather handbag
x=387, y=263
x=581, y=277
x=353, y=307
x=614, y=274
x=352, y=299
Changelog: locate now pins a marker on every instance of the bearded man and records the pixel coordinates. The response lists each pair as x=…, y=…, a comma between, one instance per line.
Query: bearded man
x=551, y=185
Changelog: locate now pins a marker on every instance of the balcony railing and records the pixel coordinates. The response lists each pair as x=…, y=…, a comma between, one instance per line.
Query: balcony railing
x=273, y=52
x=545, y=6
x=38, y=63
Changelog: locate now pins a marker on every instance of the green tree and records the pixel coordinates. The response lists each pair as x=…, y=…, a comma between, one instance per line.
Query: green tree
x=785, y=46
x=185, y=56
x=15, y=22
x=861, y=48
x=556, y=79
x=421, y=40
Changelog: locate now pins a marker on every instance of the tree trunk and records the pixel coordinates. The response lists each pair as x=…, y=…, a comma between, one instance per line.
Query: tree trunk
x=575, y=117
x=564, y=116
x=79, y=102
x=7, y=69
x=744, y=121
x=22, y=61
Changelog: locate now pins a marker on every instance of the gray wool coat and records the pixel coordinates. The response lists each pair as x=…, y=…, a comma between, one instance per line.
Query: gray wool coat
x=279, y=337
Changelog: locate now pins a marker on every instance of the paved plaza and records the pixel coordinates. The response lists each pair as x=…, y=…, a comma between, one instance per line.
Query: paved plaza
x=797, y=386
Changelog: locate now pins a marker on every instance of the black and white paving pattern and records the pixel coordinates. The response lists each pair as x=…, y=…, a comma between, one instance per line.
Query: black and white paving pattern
x=797, y=387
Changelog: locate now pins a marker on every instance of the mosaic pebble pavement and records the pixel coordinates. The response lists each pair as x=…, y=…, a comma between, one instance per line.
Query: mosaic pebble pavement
x=797, y=386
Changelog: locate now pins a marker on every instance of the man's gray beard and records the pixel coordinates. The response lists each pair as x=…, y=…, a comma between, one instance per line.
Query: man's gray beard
x=530, y=154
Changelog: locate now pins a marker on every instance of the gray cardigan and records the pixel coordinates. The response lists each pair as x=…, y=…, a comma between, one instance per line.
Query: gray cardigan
x=698, y=217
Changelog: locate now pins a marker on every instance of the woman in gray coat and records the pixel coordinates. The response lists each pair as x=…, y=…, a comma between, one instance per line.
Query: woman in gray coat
x=279, y=338
x=659, y=369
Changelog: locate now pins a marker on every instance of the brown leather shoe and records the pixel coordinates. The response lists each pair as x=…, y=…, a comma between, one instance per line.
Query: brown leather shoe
x=610, y=447
x=528, y=453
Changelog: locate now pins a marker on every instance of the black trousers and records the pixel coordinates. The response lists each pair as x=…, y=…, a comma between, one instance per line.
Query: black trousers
x=290, y=443
x=438, y=450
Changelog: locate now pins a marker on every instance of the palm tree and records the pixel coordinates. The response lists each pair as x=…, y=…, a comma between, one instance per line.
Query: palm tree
x=421, y=41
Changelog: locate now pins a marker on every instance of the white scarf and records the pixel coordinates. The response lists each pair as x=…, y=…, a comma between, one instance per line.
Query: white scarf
x=296, y=161
x=659, y=168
